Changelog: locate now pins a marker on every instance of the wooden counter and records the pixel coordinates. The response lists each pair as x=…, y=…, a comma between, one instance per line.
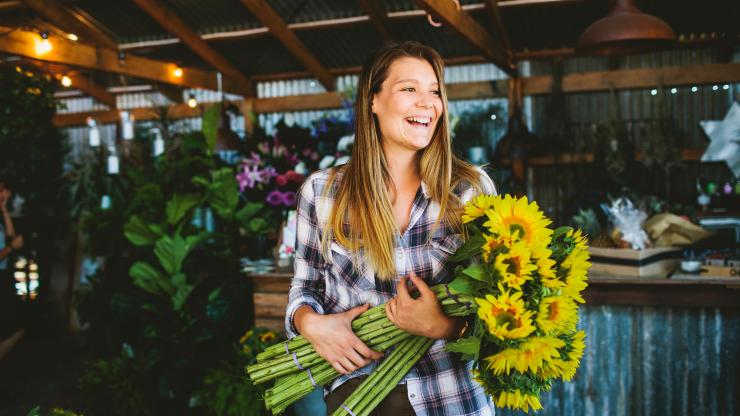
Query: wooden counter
x=681, y=290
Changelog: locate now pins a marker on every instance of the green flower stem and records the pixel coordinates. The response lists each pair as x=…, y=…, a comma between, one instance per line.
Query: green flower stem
x=384, y=387
x=353, y=400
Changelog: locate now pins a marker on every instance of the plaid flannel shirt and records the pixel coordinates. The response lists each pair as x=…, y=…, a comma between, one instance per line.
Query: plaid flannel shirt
x=440, y=383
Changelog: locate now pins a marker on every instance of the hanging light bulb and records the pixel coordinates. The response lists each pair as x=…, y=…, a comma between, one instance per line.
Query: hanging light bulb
x=158, y=142
x=66, y=81
x=113, y=167
x=43, y=45
x=192, y=102
x=177, y=72
x=72, y=37
x=127, y=125
x=94, y=133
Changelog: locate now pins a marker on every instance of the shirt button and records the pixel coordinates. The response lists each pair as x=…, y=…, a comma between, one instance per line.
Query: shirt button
x=413, y=395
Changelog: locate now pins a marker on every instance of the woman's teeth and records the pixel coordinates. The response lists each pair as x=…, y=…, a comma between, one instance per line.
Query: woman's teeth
x=419, y=120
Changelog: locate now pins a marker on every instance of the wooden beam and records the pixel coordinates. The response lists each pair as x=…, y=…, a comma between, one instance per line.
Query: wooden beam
x=112, y=116
x=267, y=15
x=173, y=93
x=57, y=14
x=492, y=6
x=467, y=27
x=399, y=16
x=378, y=17
x=637, y=78
x=92, y=89
x=171, y=22
x=22, y=42
x=572, y=83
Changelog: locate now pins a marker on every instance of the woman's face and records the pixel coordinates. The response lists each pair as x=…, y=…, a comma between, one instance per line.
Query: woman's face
x=408, y=105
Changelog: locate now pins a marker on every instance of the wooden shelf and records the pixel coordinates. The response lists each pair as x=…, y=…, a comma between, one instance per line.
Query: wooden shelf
x=688, y=154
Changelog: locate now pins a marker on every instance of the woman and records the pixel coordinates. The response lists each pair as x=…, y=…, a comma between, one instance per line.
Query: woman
x=389, y=215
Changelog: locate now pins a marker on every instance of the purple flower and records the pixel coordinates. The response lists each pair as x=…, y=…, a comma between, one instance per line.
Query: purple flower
x=254, y=160
x=275, y=198
x=289, y=198
x=249, y=178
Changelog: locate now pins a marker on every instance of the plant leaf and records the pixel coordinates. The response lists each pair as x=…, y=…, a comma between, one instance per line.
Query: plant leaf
x=477, y=272
x=248, y=211
x=469, y=347
x=223, y=194
x=464, y=284
x=179, y=205
x=469, y=249
x=149, y=279
x=139, y=233
x=171, y=252
x=561, y=231
x=210, y=126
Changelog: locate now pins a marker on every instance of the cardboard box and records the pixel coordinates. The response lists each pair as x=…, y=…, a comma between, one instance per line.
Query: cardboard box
x=659, y=261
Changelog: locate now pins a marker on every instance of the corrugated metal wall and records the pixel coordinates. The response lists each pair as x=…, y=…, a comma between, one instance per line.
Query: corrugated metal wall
x=643, y=361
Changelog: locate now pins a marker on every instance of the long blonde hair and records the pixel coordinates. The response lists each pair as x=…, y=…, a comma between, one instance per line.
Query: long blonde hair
x=362, y=214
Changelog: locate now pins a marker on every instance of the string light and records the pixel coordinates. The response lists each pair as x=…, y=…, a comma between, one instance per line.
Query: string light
x=715, y=87
x=43, y=45
x=493, y=117
x=177, y=72
x=694, y=88
x=726, y=87
x=674, y=90
x=66, y=81
x=192, y=102
x=72, y=37
x=653, y=92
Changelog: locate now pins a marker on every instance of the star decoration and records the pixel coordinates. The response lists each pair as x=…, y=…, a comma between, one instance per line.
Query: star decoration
x=724, y=139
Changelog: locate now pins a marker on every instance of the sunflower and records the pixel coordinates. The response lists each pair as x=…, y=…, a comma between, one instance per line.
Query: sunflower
x=505, y=315
x=477, y=207
x=493, y=244
x=519, y=220
x=574, y=352
x=247, y=335
x=531, y=355
x=557, y=314
x=515, y=267
x=515, y=399
x=546, y=270
x=576, y=266
x=267, y=336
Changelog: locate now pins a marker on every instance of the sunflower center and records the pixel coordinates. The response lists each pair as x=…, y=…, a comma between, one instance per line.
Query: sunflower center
x=554, y=311
x=505, y=318
x=517, y=225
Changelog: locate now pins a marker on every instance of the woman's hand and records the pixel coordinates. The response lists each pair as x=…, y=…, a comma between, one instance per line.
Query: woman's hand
x=421, y=316
x=332, y=337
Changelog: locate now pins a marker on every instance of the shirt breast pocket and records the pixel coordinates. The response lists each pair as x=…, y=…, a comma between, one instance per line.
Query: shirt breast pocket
x=442, y=248
x=346, y=281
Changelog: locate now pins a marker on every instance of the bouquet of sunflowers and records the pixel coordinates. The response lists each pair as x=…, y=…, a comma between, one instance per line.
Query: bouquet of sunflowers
x=520, y=286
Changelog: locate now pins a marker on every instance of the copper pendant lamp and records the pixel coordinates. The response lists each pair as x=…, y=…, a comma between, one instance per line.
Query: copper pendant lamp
x=626, y=29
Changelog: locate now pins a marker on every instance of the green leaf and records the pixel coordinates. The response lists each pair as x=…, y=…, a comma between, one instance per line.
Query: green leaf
x=36, y=411
x=248, y=211
x=464, y=284
x=181, y=296
x=469, y=249
x=477, y=272
x=257, y=226
x=194, y=240
x=179, y=205
x=223, y=193
x=211, y=117
x=469, y=347
x=561, y=231
x=149, y=279
x=139, y=233
x=171, y=252
x=214, y=294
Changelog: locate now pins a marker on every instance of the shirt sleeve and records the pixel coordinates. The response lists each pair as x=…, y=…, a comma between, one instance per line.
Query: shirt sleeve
x=486, y=183
x=307, y=286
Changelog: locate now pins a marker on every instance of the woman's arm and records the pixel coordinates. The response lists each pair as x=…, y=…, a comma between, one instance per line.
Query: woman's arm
x=330, y=334
x=7, y=221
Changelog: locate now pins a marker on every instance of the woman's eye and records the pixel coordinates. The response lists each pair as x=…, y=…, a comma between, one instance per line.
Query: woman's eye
x=437, y=93
x=409, y=89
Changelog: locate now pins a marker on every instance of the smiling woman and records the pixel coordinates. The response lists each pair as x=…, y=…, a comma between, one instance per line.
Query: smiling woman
x=391, y=214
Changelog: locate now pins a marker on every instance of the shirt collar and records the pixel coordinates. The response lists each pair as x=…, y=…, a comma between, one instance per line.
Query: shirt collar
x=424, y=189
